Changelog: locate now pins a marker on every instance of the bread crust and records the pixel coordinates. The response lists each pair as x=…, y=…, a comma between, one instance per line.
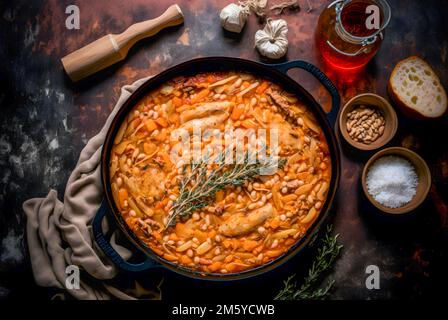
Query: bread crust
x=404, y=108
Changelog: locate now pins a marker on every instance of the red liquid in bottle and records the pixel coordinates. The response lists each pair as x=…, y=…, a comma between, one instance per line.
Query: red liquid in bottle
x=353, y=19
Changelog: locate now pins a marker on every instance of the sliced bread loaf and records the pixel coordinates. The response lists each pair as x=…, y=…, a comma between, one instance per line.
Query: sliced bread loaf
x=416, y=89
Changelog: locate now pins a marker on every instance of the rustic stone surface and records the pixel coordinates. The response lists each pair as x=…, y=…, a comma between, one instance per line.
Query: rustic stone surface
x=46, y=120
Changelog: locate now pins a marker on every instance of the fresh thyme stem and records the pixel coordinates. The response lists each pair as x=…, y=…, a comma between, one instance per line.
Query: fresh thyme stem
x=326, y=255
x=205, y=186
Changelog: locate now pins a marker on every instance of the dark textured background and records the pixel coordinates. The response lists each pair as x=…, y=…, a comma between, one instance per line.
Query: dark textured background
x=46, y=120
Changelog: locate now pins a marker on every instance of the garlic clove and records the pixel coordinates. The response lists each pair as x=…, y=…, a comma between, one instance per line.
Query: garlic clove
x=272, y=41
x=233, y=17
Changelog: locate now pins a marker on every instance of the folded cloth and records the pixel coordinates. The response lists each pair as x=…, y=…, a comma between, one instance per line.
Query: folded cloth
x=59, y=233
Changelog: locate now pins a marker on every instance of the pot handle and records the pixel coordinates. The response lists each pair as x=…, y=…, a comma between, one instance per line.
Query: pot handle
x=319, y=75
x=109, y=251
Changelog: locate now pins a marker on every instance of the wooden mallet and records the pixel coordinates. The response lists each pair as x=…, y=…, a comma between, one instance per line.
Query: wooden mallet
x=112, y=48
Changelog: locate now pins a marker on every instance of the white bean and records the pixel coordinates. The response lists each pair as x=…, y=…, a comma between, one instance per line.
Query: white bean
x=252, y=206
x=238, y=83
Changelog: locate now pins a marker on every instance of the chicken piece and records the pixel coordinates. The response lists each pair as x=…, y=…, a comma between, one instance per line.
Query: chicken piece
x=287, y=136
x=205, y=123
x=151, y=183
x=148, y=184
x=205, y=110
x=241, y=223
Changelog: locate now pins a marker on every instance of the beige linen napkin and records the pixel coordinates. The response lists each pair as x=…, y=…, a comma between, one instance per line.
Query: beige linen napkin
x=59, y=233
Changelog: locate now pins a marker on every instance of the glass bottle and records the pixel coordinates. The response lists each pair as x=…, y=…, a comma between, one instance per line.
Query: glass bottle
x=346, y=35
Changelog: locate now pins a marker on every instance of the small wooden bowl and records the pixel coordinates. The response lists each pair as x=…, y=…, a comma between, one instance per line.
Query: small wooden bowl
x=374, y=100
x=421, y=168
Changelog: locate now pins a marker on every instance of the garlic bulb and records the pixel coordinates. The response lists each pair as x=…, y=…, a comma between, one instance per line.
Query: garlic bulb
x=272, y=41
x=233, y=17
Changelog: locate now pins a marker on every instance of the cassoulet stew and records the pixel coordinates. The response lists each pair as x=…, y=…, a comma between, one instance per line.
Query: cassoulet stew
x=217, y=217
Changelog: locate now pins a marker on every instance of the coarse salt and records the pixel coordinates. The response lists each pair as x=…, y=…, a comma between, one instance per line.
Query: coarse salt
x=392, y=181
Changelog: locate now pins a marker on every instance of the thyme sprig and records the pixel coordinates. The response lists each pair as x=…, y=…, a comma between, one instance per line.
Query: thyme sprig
x=326, y=255
x=200, y=185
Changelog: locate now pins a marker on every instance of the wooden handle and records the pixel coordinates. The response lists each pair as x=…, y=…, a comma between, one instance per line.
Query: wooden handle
x=112, y=48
